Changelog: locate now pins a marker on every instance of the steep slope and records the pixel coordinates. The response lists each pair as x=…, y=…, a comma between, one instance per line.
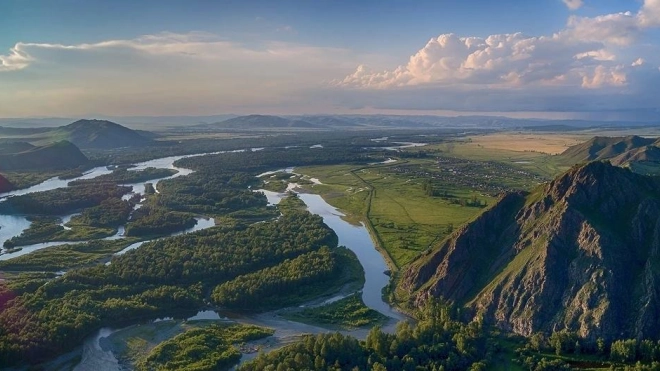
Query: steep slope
x=100, y=134
x=14, y=147
x=262, y=121
x=602, y=148
x=583, y=254
x=642, y=154
x=5, y=185
x=56, y=156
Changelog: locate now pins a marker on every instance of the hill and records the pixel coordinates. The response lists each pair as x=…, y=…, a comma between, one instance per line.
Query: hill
x=56, y=156
x=602, y=148
x=100, y=134
x=642, y=154
x=581, y=253
x=14, y=147
x=262, y=122
x=5, y=185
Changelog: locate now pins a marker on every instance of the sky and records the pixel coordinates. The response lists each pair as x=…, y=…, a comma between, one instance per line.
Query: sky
x=545, y=58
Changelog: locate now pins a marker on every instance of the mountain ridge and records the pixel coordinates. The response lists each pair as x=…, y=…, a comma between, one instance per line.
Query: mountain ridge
x=575, y=254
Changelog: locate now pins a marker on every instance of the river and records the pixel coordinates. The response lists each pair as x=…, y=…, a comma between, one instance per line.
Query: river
x=14, y=225
x=356, y=238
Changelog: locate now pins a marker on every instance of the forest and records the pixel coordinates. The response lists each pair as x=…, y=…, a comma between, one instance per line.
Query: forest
x=165, y=277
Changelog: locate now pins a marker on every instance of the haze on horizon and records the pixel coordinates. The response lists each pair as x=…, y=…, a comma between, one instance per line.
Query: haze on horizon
x=552, y=59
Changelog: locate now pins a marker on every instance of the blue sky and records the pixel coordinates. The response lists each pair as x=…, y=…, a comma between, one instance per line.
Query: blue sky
x=79, y=57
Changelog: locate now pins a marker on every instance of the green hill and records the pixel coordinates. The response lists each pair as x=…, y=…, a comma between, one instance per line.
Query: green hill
x=100, y=134
x=56, y=156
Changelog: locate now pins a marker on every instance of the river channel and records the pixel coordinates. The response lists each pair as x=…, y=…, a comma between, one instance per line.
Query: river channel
x=354, y=237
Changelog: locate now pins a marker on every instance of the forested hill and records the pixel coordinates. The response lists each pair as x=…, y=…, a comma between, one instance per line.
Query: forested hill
x=56, y=156
x=100, y=134
x=579, y=254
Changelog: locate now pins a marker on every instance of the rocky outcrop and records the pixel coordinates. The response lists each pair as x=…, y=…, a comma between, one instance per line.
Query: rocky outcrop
x=581, y=254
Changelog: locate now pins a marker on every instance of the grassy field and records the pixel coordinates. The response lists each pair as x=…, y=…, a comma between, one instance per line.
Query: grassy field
x=404, y=219
x=548, y=143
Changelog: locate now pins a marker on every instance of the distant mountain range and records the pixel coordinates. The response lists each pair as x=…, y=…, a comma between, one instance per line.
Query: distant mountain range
x=332, y=122
x=262, y=122
x=581, y=253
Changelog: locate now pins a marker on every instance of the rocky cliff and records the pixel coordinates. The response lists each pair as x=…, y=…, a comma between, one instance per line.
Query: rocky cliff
x=580, y=253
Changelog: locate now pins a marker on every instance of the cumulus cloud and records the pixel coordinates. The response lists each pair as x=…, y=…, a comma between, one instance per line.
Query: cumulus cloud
x=585, y=66
x=618, y=29
x=499, y=60
x=583, y=54
x=649, y=15
x=573, y=4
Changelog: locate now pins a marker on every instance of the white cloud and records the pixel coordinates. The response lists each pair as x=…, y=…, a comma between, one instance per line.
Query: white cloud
x=573, y=4
x=165, y=73
x=649, y=15
x=511, y=60
x=17, y=59
x=583, y=54
x=586, y=66
x=638, y=62
x=198, y=46
x=618, y=29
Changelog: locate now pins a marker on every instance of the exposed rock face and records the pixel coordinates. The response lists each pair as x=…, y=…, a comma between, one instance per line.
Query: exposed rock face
x=579, y=254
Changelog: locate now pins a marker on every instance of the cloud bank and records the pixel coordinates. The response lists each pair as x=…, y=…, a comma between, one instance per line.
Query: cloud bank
x=588, y=64
x=601, y=63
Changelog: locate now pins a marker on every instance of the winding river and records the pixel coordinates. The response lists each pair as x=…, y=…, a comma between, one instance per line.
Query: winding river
x=356, y=238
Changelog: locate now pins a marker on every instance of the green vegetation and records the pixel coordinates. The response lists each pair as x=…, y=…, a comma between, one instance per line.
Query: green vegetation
x=404, y=219
x=48, y=229
x=435, y=342
x=161, y=278
x=25, y=179
x=291, y=282
x=290, y=204
x=150, y=221
x=347, y=313
x=61, y=155
x=210, y=348
x=62, y=201
x=567, y=350
x=63, y=257
x=126, y=176
x=110, y=213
